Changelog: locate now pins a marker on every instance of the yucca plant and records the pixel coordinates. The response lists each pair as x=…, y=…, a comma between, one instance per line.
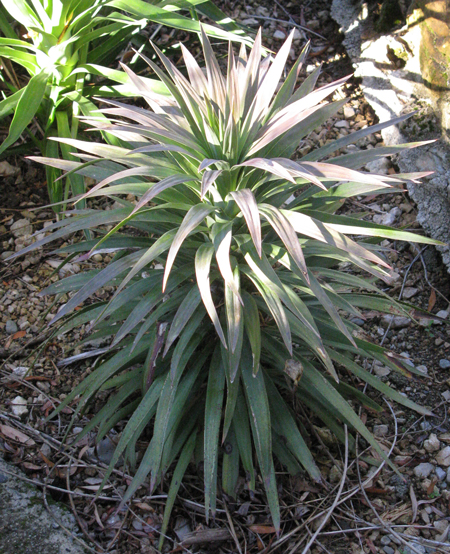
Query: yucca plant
x=229, y=297
x=71, y=44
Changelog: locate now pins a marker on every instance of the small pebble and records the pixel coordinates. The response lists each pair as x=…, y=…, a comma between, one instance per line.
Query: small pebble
x=381, y=371
x=443, y=457
x=423, y=470
x=380, y=430
x=409, y=292
x=425, y=425
x=279, y=35
x=423, y=369
x=398, y=322
x=432, y=444
x=11, y=327
x=349, y=112
x=441, y=474
x=342, y=124
x=357, y=321
x=19, y=406
x=385, y=540
x=22, y=228
x=444, y=364
x=388, y=550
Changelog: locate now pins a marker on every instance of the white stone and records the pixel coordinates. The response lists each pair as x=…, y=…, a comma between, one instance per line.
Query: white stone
x=409, y=292
x=443, y=457
x=21, y=228
x=19, y=406
x=279, y=35
x=432, y=444
x=396, y=322
x=422, y=471
x=349, y=112
x=381, y=371
x=379, y=166
x=342, y=124
x=380, y=430
x=423, y=369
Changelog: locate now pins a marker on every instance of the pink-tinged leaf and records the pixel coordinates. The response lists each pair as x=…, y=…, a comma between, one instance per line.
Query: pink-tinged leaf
x=222, y=243
x=183, y=315
x=208, y=179
x=297, y=170
x=315, y=229
x=134, y=171
x=203, y=258
x=268, y=165
x=196, y=76
x=339, y=173
x=216, y=83
x=249, y=84
x=191, y=220
x=233, y=95
x=285, y=93
x=246, y=201
x=207, y=162
x=234, y=314
x=189, y=93
x=292, y=114
x=157, y=188
x=270, y=80
x=274, y=305
x=159, y=148
x=287, y=234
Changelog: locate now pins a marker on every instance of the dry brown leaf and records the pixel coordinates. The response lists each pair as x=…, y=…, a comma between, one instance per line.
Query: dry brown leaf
x=262, y=529
x=144, y=506
x=15, y=435
x=46, y=460
x=431, y=300
x=19, y=335
x=29, y=465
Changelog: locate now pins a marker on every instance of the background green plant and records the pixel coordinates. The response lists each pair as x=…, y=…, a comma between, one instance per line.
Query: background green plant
x=246, y=310
x=73, y=43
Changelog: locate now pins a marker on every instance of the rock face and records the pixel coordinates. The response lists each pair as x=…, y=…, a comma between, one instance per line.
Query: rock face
x=402, y=72
x=26, y=526
x=434, y=20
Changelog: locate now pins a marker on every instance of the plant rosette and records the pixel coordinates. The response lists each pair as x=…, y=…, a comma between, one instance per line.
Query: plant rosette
x=69, y=45
x=229, y=293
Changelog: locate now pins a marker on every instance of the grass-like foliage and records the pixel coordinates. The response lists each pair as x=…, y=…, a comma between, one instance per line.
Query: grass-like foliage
x=68, y=56
x=229, y=297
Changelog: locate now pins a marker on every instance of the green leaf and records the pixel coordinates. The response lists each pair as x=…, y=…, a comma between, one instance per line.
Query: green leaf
x=177, y=478
x=252, y=328
x=230, y=466
x=191, y=220
x=286, y=427
x=26, y=108
x=203, y=258
x=213, y=415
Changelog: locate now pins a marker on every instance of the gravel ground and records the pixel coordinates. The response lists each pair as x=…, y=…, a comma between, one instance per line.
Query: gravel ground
x=394, y=515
